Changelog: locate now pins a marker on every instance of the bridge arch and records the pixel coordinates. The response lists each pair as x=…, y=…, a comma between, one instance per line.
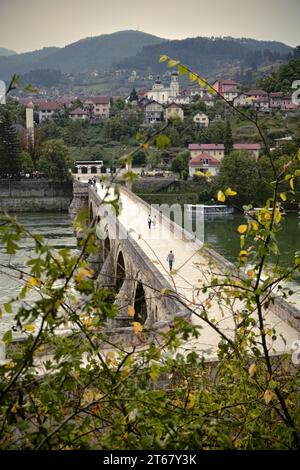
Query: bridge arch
x=120, y=271
x=140, y=305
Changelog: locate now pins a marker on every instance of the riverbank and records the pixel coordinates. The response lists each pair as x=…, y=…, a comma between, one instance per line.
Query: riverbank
x=28, y=195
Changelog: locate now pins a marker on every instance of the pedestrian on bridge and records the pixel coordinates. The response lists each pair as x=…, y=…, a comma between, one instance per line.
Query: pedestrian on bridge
x=149, y=221
x=171, y=259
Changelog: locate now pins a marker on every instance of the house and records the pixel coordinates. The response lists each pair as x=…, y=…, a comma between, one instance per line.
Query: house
x=214, y=150
x=209, y=102
x=255, y=95
x=241, y=100
x=173, y=111
x=201, y=120
x=79, y=114
x=162, y=94
x=230, y=94
x=204, y=162
x=154, y=112
x=48, y=108
x=184, y=97
x=281, y=101
x=253, y=149
x=97, y=106
x=223, y=86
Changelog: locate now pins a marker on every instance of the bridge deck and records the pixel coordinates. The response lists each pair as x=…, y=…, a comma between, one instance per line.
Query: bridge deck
x=192, y=270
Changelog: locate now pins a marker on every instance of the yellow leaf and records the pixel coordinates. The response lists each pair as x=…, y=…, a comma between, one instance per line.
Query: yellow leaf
x=283, y=196
x=252, y=370
x=182, y=69
x=137, y=327
x=163, y=58
x=191, y=400
x=242, y=228
x=33, y=282
x=130, y=311
x=172, y=63
x=14, y=408
x=10, y=365
x=254, y=225
x=268, y=396
x=193, y=76
x=146, y=146
x=221, y=196
x=243, y=253
x=28, y=328
x=230, y=192
x=83, y=273
x=292, y=183
x=212, y=90
x=202, y=82
x=199, y=173
x=299, y=154
x=250, y=273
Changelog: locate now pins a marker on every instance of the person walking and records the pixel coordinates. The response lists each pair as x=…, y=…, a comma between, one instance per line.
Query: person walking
x=171, y=259
x=149, y=221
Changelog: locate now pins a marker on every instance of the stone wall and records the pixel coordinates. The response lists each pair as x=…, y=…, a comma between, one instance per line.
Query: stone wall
x=35, y=195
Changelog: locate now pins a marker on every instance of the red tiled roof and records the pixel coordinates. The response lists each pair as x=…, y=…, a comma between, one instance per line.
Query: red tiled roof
x=226, y=82
x=99, y=99
x=246, y=146
x=174, y=105
x=231, y=90
x=256, y=92
x=50, y=106
x=198, y=160
x=277, y=94
x=206, y=147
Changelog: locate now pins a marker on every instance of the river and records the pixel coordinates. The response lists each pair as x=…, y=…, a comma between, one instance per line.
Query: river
x=58, y=232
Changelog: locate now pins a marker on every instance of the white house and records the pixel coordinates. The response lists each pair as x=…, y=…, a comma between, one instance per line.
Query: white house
x=163, y=94
x=48, y=108
x=201, y=120
x=241, y=100
x=204, y=162
x=154, y=112
x=230, y=94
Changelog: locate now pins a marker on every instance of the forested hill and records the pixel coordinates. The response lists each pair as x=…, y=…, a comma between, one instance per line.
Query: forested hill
x=211, y=55
x=96, y=53
x=6, y=52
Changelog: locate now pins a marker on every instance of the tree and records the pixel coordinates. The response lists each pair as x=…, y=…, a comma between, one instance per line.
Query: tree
x=27, y=163
x=179, y=165
x=133, y=96
x=10, y=161
x=228, y=140
x=55, y=161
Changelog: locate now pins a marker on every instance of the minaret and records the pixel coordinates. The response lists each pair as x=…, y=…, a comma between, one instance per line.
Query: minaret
x=29, y=122
x=174, y=86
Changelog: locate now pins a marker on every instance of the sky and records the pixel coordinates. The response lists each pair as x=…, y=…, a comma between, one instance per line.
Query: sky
x=27, y=25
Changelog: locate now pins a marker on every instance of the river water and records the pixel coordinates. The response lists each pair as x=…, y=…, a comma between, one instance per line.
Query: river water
x=58, y=232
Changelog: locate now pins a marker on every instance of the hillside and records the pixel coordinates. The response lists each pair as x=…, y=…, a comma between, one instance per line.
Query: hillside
x=211, y=56
x=6, y=52
x=88, y=54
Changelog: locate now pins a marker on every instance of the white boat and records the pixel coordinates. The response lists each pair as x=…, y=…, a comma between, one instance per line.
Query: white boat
x=203, y=210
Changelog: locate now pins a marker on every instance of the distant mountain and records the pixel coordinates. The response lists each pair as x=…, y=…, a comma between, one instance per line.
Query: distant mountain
x=6, y=52
x=211, y=56
x=97, y=53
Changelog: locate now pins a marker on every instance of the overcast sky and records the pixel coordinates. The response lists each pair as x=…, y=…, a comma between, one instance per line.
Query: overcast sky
x=31, y=24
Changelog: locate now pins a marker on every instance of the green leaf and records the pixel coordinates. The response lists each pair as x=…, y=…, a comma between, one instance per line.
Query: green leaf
x=162, y=141
x=7, y=337
x=193, y=76
x=8, y=308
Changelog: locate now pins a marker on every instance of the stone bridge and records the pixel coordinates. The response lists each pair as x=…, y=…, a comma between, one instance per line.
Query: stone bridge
x=132, y=260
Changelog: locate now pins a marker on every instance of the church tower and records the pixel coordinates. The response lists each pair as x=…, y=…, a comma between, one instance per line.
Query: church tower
x=174, y=86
